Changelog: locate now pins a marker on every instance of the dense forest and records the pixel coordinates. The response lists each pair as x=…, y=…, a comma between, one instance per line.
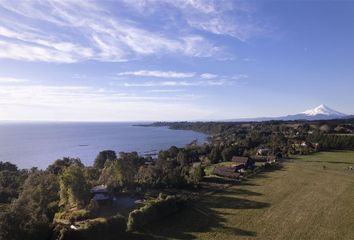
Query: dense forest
x=41, y=204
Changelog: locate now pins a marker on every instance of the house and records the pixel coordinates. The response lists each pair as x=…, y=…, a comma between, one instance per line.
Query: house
x=101, y=195
x=243, y=162
x=229, y=172
x=311, y=147
x=263, y=151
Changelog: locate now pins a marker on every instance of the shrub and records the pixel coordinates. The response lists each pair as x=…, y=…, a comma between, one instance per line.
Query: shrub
x=155, y=210
x=73, y=215
x=100, y=228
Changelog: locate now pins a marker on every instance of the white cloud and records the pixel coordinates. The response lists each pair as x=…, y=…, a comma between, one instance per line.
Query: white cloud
x=28, y=52
x=221, y=17
x=208, y=75
x=158, y=74
x=66, y=95
x=166, y=90
x=71, y=31
x=8, y=80
x=203, y=79
x=83, y=103
x=240, y=76
x=216, y=82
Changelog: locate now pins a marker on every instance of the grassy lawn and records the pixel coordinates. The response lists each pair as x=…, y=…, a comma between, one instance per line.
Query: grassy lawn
x=301, y=200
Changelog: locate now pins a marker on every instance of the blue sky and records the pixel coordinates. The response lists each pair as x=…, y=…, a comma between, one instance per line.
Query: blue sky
x=133, y=60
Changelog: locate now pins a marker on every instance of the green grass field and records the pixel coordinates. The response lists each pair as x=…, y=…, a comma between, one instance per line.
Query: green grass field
x=301, y=200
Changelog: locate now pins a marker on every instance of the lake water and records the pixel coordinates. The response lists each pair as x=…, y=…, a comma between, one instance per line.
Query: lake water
x=39, y=144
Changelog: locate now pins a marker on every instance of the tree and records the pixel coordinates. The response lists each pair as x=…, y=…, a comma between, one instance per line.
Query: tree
x=182, y=158
x=112, y=175
x=10, y=183
x=130, y=163
x=29, y=217
x=74, y=189
x=7, y=166
x=61, y=164
x=104, y=156
x=92, y=175
x=214, y=155
x=196, y=175
x=227, y=153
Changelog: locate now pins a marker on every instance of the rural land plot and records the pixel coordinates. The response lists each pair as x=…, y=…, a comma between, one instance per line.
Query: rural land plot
x=310, y=197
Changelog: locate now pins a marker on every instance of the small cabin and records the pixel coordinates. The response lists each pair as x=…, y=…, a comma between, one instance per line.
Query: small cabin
x=229, y=172
x=243, y=162
x=101, y=195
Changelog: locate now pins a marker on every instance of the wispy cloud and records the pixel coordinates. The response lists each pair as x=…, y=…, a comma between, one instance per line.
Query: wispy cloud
x=208, y=75
x=30, y=102
x=12, y=80
x=71, y=31
x=166, y=90
x=221, y=17
x=211, y=82
x=66, y=95
x=158, y=74
x=176, y=79
x=239, y=76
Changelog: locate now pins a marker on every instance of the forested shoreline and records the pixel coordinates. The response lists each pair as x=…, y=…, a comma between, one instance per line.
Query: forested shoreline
x=57, y=203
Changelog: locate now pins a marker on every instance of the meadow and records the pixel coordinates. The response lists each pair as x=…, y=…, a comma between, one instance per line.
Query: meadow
x=308, y=197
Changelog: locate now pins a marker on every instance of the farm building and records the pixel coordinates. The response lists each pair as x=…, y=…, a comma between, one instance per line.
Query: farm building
x=243, y=162
x=229, y=172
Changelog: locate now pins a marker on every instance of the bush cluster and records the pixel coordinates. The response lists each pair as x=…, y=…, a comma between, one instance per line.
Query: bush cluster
x=155, y=210
x=111, y=228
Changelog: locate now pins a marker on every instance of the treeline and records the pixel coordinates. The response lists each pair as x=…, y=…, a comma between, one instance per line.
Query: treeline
x=32, y=200
x=29, y=216
x=285, y=137
x=334, y=142
x=335, y=125
x=203, y=127
x=11, y=179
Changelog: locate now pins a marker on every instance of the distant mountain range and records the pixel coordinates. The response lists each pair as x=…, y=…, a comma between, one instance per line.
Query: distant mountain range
x=321, y=112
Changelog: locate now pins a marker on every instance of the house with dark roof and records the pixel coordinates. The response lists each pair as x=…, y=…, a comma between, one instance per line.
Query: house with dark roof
x=228, y=172
x=243, y=162
x=101, y=195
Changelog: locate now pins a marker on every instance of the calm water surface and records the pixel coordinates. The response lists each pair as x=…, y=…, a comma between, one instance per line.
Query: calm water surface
x=39, y=144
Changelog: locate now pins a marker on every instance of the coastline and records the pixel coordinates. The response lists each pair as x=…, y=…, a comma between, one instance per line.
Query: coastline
x=50, y=141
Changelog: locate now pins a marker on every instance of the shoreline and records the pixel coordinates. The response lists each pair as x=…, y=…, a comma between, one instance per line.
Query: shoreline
x=58, y=141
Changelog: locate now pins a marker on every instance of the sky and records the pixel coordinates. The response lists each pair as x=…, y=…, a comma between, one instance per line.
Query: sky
x=173, y=60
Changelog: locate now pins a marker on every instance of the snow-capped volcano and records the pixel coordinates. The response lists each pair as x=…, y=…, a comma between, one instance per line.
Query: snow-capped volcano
x=323, y=110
